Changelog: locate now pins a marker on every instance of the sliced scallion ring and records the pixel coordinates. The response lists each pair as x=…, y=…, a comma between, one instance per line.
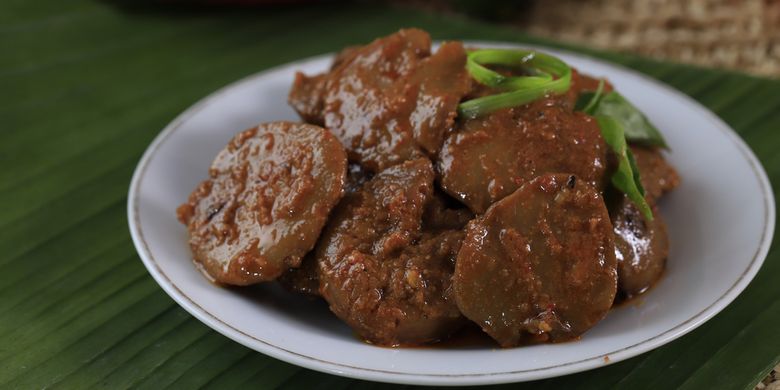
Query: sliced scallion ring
x=551, y=75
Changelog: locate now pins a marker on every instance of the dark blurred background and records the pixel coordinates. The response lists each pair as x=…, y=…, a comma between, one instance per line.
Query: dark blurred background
x=741, y=35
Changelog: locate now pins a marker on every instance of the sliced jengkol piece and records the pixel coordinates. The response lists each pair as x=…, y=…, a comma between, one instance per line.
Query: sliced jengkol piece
x=304, y=279
x=306, y=97
x=380, y=270
x=307, y=93
x=267, y=198
x=440, y=80
x=642, y=246
x=388, y=101
x=539, y=265
x=490, y=157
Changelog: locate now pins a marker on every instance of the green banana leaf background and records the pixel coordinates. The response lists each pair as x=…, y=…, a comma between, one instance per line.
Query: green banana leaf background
x=84, y=88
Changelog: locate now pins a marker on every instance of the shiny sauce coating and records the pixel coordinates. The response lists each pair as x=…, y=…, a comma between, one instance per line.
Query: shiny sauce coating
x=539, y=265
x=381, y=270
x=268, y=195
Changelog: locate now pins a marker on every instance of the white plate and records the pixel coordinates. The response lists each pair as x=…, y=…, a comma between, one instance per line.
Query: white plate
x=721, y=221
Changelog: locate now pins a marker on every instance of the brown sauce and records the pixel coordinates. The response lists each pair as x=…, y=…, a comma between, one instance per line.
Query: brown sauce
x=468, y=337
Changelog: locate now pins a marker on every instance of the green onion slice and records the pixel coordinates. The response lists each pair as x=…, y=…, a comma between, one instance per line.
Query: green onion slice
x=626, y=178
x=550, y=75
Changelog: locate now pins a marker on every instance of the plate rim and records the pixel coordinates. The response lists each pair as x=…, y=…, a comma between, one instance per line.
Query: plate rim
x=314, y=363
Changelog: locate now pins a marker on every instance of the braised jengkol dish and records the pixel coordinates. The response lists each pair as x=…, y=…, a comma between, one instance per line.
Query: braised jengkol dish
x=426, y=189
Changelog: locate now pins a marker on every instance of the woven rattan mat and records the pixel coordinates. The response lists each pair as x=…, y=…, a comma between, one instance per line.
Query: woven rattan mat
x=735, y=34
x=742, y=35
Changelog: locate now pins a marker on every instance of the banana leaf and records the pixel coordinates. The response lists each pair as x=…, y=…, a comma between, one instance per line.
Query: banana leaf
x=86, y=85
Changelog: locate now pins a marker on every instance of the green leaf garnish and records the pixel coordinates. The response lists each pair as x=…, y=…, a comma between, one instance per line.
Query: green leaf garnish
x=550, y=75
x=636, y=126
x=626, y=178
x=481, y=106
x=635, y=171
x=588, y=101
